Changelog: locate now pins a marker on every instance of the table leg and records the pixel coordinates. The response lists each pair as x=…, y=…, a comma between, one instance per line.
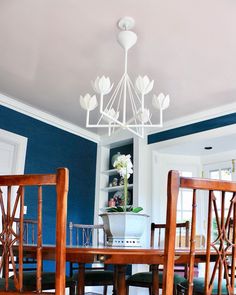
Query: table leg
x=155, y=280
x=80, y=286
x=115, y=287
x=120, y=279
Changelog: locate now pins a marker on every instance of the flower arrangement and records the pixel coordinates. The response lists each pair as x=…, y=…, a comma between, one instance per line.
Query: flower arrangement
x=124, y=167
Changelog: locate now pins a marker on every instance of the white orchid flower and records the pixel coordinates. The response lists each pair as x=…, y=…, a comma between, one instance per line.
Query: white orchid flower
x=144, y=85
x=88, y=102
x=161, y=101
x=102, y=85
x=144, y=115
x=124, y=165
x=111, y=113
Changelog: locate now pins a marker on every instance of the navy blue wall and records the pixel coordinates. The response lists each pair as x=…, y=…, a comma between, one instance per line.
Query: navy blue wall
x=218, y=122
x=49, y=148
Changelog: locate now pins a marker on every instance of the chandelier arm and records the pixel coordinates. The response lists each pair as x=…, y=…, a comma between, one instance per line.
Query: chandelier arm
x=161, y=117
x=87, y=118
x=103, y=125
x=120, y=123
x=135, y=110
x=119, y=99
x=113, y=119
x=146, y=125
x=101, y=103
x=97, y=125
x=113, y=97
x=142, y=102
x=133, y=105
x=134, y=90
x=100, y=119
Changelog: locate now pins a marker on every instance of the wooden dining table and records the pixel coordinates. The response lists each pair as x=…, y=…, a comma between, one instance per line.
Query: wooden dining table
x=119, y=257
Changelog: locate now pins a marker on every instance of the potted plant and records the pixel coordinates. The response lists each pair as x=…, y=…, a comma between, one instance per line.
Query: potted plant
x=124, y=225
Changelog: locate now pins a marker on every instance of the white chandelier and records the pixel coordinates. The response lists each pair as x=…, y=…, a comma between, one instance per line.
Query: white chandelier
x=126, y=95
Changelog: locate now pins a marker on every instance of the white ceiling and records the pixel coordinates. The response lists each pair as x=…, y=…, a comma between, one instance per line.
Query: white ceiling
x=219, y=144
x=50, y=50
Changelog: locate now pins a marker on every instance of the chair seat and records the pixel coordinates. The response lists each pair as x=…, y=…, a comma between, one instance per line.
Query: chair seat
x=199, y=283
x=145, y=278
x=48, y=280
x=96, y=277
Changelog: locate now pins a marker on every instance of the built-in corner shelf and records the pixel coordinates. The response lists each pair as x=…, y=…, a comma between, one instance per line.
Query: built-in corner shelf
x=110, y=172
x=116, y=188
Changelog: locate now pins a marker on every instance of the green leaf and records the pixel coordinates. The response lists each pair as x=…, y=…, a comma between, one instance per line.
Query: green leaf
x=124, y=209
x=137, y=209
x=120, y=209
x=111, y=209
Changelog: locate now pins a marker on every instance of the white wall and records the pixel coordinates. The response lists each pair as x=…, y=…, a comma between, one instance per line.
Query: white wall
x=161, y=164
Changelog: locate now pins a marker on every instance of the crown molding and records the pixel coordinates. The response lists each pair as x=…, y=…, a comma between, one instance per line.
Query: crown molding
x=47, y=118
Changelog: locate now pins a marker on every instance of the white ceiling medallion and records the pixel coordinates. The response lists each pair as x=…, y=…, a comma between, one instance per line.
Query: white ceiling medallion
x=125, y=108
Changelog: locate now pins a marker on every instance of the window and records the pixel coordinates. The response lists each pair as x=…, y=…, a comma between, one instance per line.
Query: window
x=184, y=205
x=224, y=173
x=221, y=171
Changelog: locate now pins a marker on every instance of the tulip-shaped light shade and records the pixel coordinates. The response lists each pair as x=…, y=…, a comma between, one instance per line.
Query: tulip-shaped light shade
x=161, y=101
x=111, y=113
x=88, y=102
x=144, y=85
x=144, y=115
x=102, y=85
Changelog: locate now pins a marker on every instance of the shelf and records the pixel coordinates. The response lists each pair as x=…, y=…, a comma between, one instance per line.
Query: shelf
x=110, y=172
x=116, y=188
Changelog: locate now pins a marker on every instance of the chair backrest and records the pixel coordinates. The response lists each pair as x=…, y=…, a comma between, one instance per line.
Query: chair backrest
x=30, y=227
x=12, y=240
x=158, y=234
x=218, y=194
x=30, y=231
x=230, y=230
x=182, y=240
x=86, y=234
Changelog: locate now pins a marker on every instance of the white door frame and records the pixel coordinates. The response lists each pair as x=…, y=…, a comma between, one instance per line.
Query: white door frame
x=20, y=143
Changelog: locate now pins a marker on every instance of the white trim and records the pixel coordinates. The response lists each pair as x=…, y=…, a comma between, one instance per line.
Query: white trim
x=47, y=118
x=20, y=143
x=197, y=117
x=101, y=197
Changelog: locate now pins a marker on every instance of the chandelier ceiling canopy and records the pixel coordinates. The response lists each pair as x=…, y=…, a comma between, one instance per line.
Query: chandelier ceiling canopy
x=125, y=96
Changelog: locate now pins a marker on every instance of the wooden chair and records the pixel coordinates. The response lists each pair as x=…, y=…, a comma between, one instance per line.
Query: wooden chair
x=216, y=192
x=145, y=279
x=12, y=240
x=29, y=238
x=90, y=235
x=230, y=240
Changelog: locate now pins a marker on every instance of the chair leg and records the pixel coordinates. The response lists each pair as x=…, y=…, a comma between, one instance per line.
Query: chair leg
x=150, y=290
x=105, y=290
x=72, y=289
